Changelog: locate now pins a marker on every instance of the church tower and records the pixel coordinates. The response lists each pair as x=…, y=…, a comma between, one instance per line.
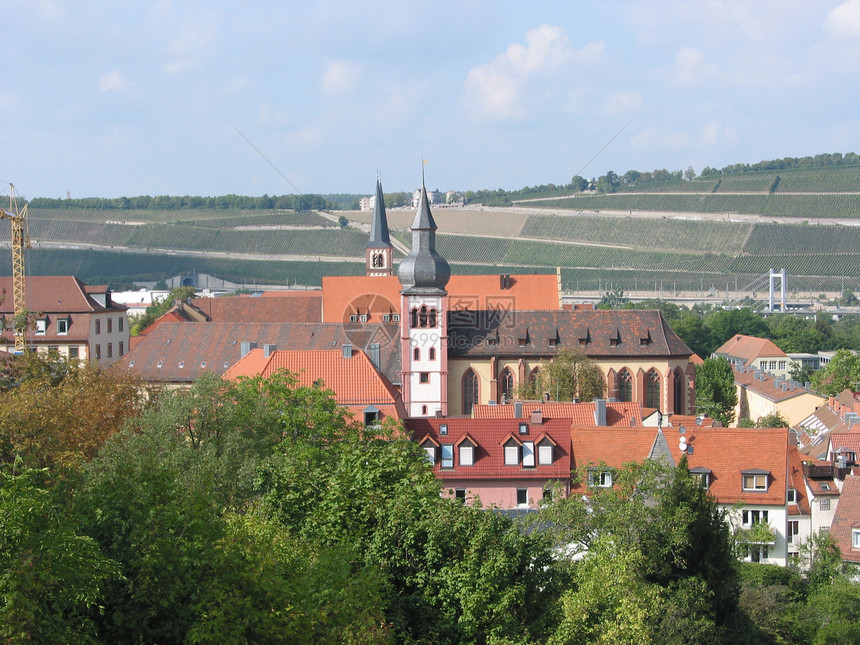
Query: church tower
x=423, y=320
x=378, y=253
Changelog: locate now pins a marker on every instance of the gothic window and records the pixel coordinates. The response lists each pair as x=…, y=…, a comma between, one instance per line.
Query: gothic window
x=432, y=353
x=652, y=389
x=413, y=318
x=422, y=316
x=416, y=354
x=679, y=391
x=470, y=391
x=625, y=385
x=506, y=383
x=378, y=260
x=432, y=318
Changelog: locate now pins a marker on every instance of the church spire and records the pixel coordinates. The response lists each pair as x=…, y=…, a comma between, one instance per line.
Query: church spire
x=424, y=270
x=378, y=252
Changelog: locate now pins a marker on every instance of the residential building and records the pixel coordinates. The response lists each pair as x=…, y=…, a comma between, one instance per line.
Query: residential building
x=72, y=318
x=758, y=354
x=845, y=529
x=761, y=394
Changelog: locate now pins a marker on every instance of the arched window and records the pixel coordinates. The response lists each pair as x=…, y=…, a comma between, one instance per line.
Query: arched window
x=422, y=316
x=432, y=353
x=624, y=384
x=432, y=318
x=413, y=318
x=506, y=384
x=652, y=389
x=678, y=391
x=378, y=260
x=416, y=354
x=470, y=390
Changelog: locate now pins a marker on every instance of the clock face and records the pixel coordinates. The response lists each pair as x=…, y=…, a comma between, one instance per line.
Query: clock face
x=371, y=318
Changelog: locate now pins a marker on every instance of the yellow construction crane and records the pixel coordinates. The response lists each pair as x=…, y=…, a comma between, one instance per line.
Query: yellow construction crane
x=20, y=241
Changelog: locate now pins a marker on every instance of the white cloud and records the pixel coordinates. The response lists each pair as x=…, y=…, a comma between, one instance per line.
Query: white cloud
x=495, y=89
x=715, y=133
x=189, y=49
x=844, y=21
x=691, y=66
x=624, y=102
x=340, y=77
x=112, y=82
x=654, y=139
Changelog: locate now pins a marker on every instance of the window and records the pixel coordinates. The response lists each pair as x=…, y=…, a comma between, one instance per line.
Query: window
x=110, y=325
x=791, y=496
x=98, y=351
x=600, y=478
x=506, y=383
x=443, y=429
x=528, y=454
x=855, y=538
x=782, y=365
x=447, y=455
x=460, y=493
x=395, y=317
x=430, y=452
x=824, y=504
x=522, y=497
x=524, y=428
x=73, y=352
x=416, y=354
x=703, y=478
x=793, y=530
x=62, y=326
x=470, y=391
x=757, y=553
x=432, y=353
x=98, y=326
x=362, y=318
x=755, y=481
x=750, y=517
x=625, y=385
x=424, y=377
x=467, y=454
x=545, y=453
x=353, y=318
x=386, y=317
x=120, y=323
x=122, y=348
x=512, y=454
x=110, y=351
x=41, y=326
x=652, y=389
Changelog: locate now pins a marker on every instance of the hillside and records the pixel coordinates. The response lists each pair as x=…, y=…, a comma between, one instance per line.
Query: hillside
x=712, y=234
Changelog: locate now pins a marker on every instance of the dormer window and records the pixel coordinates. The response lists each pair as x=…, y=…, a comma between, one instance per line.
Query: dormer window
x=447, y=455
x=353, y=318
x=512, y=452
x=466, y=448
x=62, y=326
x=600, y=478
x=755, y=480
x=545, y=452
x=524, y=428
x=791, y=496
x=431, y=447
x=41, y=326
x=362, y=318
x=855, y=538
x=702, y=475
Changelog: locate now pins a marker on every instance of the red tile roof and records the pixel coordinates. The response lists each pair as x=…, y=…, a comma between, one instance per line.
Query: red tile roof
x=749, y=348
x=293, y=306
x=354, y=380
x=578, y=414
x=489, y=435
x=374, y=296
x=847, y=518
x=726, y=452
x=772, y=388
x=55, y=294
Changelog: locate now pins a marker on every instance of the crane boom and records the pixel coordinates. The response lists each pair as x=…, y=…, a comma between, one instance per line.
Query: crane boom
x=20, y=241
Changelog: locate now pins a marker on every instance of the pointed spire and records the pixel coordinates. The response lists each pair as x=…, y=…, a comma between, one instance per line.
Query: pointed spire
x=424, y=270
x=379, y=237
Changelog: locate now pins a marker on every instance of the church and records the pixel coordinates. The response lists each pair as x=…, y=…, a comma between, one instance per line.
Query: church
x=445, y=343
x=469, y=340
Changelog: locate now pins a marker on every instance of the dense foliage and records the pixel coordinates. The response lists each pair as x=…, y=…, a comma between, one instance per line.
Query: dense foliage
x=257, y=512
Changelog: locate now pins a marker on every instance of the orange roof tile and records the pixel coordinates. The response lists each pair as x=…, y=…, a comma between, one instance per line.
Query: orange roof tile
x=749, y=348
x=847, y=518
x=580, y=414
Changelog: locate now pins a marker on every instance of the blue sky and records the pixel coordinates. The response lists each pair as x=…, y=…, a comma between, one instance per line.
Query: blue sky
x=118, y=97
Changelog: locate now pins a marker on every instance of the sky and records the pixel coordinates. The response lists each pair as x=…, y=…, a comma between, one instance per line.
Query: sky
x=118, y=98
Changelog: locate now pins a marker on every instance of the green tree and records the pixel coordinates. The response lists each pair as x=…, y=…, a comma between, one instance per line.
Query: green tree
x=841, y=373
x=716, y=394
x=154, y=311
x=774, y=420
x=691, y=329
x=726, y=323
x=570, y=375
x=51, y=575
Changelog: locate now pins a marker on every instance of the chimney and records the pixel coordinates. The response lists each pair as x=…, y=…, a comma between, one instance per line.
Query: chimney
x=373, y=354
x=347, y=350
x=518, y=410
x=269, y=349
x=246, y=347
x=537, y=417
x=600, y=412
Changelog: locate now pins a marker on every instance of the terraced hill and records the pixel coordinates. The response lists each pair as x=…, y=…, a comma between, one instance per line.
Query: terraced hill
x=701, y=235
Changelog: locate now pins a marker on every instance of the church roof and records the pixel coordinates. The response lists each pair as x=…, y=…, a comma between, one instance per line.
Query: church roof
x=598, y=334
x=424, y=271
x=379, y=237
